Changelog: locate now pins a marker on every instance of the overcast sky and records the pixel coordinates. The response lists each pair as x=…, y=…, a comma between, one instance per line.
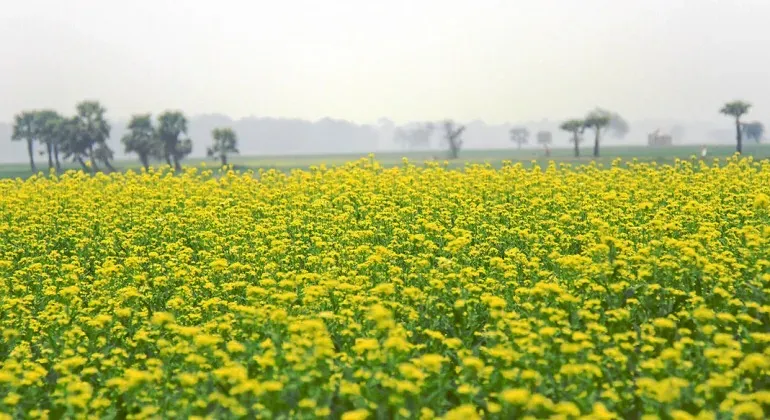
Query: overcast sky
x=497, y=60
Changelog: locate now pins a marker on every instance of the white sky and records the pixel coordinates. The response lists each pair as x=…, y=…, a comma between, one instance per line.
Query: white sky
x=408, y=60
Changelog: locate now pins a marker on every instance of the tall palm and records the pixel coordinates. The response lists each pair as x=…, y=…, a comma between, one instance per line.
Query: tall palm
x=55, y=127
x=171, y=125
x=24, y=129
x=598, y=121
x=737, y=109
x=142, y=139
x=47, y=128
x=225, y=142
x=73, y=142
x=574, y=127
x=93, y=126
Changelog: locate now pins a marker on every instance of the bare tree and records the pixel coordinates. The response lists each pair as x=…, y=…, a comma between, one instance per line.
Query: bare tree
x=452, y=135
x=520, y=136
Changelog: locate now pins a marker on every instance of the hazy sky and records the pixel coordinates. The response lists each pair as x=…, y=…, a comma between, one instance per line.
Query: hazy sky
x=506, y=60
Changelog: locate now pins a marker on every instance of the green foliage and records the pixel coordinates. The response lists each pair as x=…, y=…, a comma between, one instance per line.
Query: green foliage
x=76, y=144
x=142, y=139
x=92, y=123
x=24, y=129
x=47, y=123
x=24, y=126
x=171, y=125
x=574, y=127
x=736, y=109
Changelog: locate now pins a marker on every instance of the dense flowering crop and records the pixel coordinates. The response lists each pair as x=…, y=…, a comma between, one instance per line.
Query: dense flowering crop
x=410, y=292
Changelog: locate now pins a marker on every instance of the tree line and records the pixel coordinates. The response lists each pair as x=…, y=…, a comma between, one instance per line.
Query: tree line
x=82, y=138
x=601, y=121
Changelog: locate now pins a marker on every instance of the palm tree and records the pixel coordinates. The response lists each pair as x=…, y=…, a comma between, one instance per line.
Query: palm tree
x=73, y=142
x=142, y=139
x=597, y=120
x=225, y=142
x=94, y=128
x=55, y=127
x=737, y=109
x=172, y=124
x=47, y=128
x=24, y=129
x=574, y=127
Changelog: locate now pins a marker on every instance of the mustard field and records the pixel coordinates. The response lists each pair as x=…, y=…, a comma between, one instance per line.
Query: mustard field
x=360, y=292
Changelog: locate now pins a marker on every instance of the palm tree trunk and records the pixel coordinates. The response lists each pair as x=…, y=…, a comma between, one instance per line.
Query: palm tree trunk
x=82, y=164
x=94, y=167
x=177, y=165
x=223, y=157
x=109, y=165
x=167, y=153
x=145, y=161
x=596, y=143
x=575, y=140
x=738, y=136
x=49, y=149
x=31, y=156
x=56, y=155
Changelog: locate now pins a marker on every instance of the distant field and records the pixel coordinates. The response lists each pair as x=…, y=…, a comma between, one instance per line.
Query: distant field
x=494, y=157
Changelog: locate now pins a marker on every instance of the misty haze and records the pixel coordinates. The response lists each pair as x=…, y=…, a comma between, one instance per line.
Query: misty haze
x=303, y=77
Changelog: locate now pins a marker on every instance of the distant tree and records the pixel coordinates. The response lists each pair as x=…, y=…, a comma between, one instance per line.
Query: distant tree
x=601, y=121
x=47, y=126
x=452, y=135
x=544, y=138
x=520, y=136
x=737, y=109
x=575, y=127
x=417, y=137
x=171, y=125
x=24, y=128
x=618, y=127
x=225, y=142
x=93, y=128
x=142, y=139
x=753, y=130
x=597, y=122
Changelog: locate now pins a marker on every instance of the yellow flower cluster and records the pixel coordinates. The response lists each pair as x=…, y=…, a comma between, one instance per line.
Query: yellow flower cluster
x=364, y=292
